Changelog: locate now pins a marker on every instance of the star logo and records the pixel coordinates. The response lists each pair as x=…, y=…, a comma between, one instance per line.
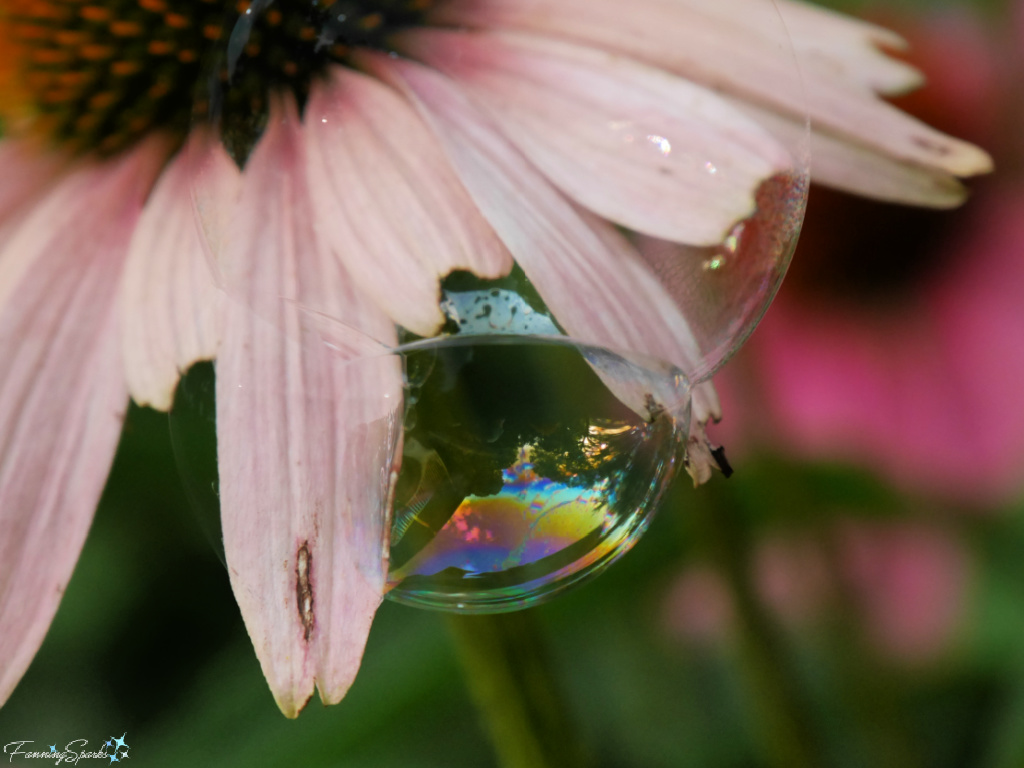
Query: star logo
x=120, y=742
x=114, y=758
x=53, y=748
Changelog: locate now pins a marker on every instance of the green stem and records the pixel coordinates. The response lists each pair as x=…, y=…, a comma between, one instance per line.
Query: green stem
x=512, y=683
x=787, y=731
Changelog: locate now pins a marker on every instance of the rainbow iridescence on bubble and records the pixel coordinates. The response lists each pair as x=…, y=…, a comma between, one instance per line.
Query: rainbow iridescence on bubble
x=550, y=480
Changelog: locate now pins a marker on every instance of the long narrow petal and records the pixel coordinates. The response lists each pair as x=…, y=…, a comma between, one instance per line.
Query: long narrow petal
x=169, y=304
x=305, y=437
x=388, y=202
x=844, y=48
x=854, y=167
x=28, y=174
x=587, y=274
x=750, y=60
x=639, y=147
x=62, y=393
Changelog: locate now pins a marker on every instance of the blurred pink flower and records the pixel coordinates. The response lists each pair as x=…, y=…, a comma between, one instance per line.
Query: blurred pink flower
x=904, y=585
x=698, y=607
x=910, y=582
x=464, y=141
x=793, y=578
x=914, y=375
x=926, y=394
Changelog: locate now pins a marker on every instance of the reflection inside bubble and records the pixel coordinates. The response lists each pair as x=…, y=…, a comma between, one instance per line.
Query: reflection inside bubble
x=521, y=473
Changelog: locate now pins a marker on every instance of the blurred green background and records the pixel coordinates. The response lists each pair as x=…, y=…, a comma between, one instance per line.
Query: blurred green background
x=893, y=612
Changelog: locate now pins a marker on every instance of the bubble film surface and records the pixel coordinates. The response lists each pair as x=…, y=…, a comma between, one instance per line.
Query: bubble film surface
x=522, y=474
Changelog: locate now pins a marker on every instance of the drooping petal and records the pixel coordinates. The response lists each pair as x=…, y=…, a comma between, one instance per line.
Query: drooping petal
x=668, y=335
x=587, y=274
x=642, y=148
x=853, y=167
x=62, y=393
x=749, y=58
x=388, y=202
x=306, y=437
x=170, y=307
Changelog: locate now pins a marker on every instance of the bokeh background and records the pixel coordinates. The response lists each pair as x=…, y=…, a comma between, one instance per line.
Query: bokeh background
x=872, y=536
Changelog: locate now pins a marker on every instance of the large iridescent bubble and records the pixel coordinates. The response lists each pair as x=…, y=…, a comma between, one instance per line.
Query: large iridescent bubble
x=540, y=421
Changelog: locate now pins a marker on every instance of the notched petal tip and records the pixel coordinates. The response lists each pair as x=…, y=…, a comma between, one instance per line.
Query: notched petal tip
x=290, y=707
x=301, y=486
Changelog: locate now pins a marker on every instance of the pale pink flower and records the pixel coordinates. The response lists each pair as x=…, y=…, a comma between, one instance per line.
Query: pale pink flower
x=471, y=147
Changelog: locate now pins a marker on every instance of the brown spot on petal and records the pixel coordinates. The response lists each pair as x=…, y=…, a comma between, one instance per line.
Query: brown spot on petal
x=304, y=588
x=936, y=147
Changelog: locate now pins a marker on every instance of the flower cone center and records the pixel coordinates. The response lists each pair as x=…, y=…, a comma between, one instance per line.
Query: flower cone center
x=98, y=75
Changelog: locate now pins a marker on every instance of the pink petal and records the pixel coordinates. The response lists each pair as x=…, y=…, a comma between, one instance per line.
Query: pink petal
x=170, y=307
x=748, y=57
x=28, y=174
x=585, y=271
x=28, y=170
x=306, y=438
x=831, y=43
x=658, y=328
x=853, y=167
x=645, y=149
x=62, y=394
x=388, y=202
